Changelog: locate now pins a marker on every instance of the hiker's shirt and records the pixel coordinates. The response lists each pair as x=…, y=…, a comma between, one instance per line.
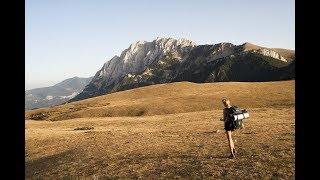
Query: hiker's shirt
x=226, y=112
x=228, y=125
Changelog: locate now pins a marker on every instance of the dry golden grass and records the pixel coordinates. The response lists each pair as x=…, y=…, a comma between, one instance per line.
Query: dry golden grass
x=248, y=46
x=184, y=141
x=173, y=98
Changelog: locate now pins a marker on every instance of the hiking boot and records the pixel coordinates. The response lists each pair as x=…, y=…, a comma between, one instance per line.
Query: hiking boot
x=232, y=156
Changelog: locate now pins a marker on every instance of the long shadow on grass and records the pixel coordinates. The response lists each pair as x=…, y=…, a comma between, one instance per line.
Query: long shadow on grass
x=182, y=165
x=139, y=158
x=46, y=164
x=170, y=166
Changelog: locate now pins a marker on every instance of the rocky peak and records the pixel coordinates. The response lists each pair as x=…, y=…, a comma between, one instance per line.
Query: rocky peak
x=222, y=50
x=140, y=55
x=170, y=42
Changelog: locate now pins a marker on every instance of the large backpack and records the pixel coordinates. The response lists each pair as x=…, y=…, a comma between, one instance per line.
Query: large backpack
x=236, y=116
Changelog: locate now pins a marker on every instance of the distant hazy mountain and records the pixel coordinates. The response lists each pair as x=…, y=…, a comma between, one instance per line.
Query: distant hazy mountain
x=167, y=60
x=54, y=95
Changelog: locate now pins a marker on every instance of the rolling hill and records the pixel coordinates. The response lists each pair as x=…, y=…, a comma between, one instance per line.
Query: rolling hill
x=170, y=98
x=165, y=131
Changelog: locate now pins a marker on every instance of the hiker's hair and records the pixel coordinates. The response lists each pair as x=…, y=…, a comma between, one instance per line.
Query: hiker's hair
x=226, y=101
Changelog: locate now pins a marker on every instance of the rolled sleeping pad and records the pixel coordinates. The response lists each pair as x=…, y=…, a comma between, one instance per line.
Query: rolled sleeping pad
x=240, y=116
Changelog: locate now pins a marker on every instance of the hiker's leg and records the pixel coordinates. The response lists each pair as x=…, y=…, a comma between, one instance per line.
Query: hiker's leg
x=234, y=135
x=230, y=141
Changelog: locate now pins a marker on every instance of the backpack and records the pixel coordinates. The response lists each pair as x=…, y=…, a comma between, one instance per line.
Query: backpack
x=236, y=116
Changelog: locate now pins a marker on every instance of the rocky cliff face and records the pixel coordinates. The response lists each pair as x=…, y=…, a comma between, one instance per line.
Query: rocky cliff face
x=248, y=47
x=135, y=60
x=270, y=53
x=169, y=60
x=140, y=55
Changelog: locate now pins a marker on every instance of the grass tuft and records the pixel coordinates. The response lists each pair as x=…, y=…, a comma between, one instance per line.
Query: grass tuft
x=83, y=128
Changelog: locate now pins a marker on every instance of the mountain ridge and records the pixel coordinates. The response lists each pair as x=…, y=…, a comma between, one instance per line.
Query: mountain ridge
x=166, y=60
x=56, y=94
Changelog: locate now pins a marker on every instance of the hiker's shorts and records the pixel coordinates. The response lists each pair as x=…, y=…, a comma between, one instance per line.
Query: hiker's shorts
x=228, y=126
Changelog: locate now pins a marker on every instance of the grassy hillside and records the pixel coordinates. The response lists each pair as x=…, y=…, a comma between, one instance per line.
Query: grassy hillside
x=169, y=131
x=286, y=53
x=173, y=98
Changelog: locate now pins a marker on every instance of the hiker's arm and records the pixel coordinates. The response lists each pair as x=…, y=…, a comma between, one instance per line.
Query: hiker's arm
x=224, y=115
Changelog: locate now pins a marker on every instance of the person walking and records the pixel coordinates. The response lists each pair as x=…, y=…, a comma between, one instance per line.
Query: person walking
x=228, y=126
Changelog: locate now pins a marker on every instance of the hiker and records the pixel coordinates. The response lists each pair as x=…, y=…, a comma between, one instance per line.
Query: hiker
x=229, y=129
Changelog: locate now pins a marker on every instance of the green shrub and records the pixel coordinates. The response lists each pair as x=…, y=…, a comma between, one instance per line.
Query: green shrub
x=39, y=116
x=83, y=128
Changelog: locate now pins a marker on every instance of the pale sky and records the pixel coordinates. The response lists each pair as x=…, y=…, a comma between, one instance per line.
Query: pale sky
x=67, y=38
